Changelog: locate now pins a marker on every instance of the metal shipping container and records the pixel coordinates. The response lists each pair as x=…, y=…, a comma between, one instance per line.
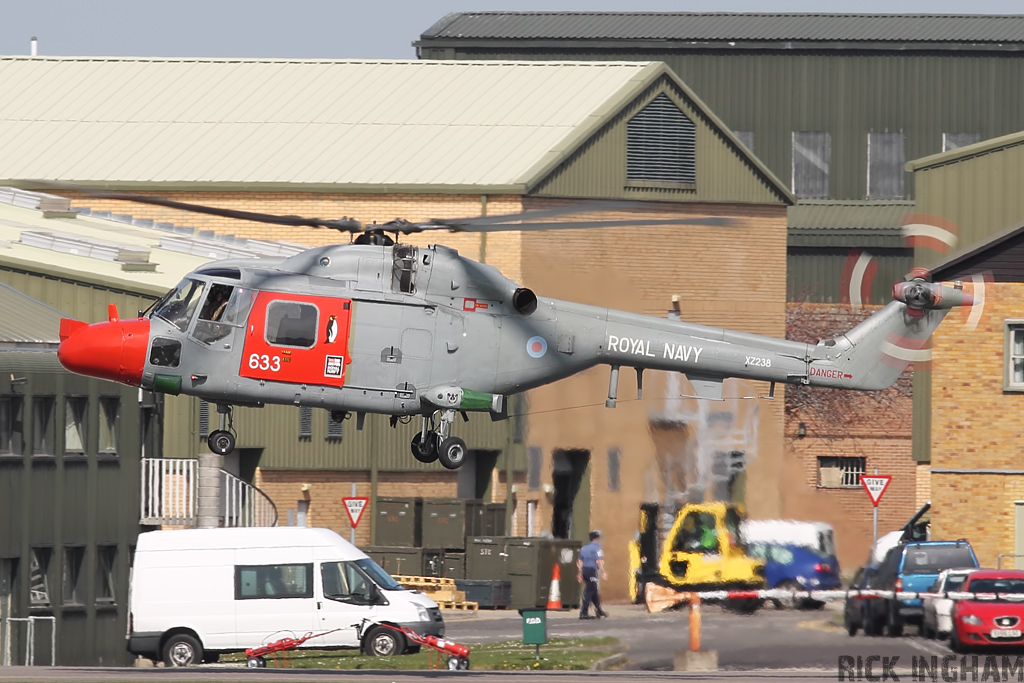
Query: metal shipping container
x=453, y=566
x=486, y=558
x=400, y=522
x=448, y=521
x=494, y=519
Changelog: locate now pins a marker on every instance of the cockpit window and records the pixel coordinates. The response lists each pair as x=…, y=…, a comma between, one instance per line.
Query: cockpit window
x=226, y=306
x=179, y=304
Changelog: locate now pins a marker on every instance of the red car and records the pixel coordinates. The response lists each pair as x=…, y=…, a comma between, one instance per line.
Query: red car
x=990, y=619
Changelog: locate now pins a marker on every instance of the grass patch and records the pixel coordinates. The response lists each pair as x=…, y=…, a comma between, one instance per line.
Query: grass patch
x=559, y=654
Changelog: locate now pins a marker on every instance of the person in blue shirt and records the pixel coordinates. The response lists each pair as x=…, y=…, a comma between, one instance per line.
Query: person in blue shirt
x=591, y=564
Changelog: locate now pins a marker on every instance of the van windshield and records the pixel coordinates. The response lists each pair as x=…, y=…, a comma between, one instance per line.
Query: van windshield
x=379, y=576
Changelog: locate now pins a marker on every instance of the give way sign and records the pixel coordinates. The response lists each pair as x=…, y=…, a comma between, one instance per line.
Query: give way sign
x=355, y=506
x=875, y=485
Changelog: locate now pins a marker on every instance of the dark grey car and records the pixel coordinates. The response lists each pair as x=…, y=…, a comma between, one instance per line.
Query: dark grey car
x=855, y=609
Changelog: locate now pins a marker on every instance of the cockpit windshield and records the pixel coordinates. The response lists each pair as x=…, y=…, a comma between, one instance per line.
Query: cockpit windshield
x=179, y=304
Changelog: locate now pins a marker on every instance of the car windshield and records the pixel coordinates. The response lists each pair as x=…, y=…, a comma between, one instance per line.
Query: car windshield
x=1015, y=586
x=379, y=576
x=180, y=303
x=955, y=581
x=935, y=558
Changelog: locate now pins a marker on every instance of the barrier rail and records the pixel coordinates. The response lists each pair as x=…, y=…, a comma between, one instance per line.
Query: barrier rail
x=169, y=490
x=827, y=595
x=30, y=638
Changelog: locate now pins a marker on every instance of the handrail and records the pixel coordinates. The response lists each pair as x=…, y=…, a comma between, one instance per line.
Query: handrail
x=170, y=493
x=244, y=505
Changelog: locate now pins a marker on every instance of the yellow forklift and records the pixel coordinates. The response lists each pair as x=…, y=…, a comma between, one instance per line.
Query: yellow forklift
x=703, y=551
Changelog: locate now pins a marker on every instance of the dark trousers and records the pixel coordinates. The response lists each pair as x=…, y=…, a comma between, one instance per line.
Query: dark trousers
x=590, y=594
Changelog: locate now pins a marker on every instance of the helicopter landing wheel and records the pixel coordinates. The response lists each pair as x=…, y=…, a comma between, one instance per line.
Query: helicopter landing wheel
x=221, y=442
x=452, y=452
x=425, y=453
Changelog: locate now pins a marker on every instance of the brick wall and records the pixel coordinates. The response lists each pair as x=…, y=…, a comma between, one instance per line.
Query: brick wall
x=976, y=425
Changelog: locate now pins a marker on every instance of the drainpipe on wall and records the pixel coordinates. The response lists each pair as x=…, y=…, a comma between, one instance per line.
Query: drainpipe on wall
x=483, y=235
x=33, y=47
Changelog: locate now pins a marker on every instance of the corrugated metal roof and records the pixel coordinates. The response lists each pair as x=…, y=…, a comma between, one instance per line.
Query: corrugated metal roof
x=311, y=123
x=847, y=223
x=23, y=361
x=967, y=151
x=25, y=322
x=171, y=263
x=687, y=26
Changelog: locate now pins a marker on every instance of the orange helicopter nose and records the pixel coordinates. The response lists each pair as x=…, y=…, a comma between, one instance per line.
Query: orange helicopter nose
x=113, y=350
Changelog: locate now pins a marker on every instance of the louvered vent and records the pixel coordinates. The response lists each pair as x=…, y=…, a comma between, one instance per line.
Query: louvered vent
x=305, y=422
x=204, y=419
x=661, y=144
x=333, y=430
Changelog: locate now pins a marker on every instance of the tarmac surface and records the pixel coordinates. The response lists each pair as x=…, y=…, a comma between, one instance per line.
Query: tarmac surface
x=771, y=645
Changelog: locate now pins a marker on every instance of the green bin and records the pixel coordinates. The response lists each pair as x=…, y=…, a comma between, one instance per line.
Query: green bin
x=535, y=626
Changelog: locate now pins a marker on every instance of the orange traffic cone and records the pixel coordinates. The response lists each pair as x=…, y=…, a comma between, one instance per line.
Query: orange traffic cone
x=555, y=593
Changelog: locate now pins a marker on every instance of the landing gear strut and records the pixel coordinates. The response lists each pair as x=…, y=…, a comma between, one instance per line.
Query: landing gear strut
x=222, y=440
x=433, y=442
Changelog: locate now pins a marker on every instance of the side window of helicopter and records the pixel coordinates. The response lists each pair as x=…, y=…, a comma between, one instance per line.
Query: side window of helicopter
x=165, y=352
x=226, y=307
x=403, y=271
x=178, y=308
x=290, y=323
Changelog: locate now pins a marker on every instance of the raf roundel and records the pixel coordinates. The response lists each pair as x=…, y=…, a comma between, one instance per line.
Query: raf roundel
x=536, y=346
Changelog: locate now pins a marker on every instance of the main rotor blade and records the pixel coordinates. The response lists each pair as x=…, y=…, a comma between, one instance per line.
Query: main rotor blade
x=344, y=225
x=568, y=209
x=711, y=221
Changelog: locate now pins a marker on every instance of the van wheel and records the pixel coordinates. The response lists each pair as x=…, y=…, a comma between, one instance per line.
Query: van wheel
x=181, y=649
x=384, y=642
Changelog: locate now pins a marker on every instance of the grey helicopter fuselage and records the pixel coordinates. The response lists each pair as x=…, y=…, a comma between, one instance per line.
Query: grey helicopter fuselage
x=426, y=329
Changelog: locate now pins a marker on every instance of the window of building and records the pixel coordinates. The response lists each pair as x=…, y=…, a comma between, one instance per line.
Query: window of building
x=531, y=518
x=11, y=428
x=305, y=422
x=334, y=431
x=746, y=137
x=75, y=411
x=106, y=557
x=39, y=577
x=811, y=152
x=290, y=323
x=1013, y=376
x=885, y=165
x=614, y=458
x=204, y=419
x=661, y=144
x=273, y=581
x=840, y=472
x=43, y=433
x=955, y=140
x=74, y=591
x=110, y=408
x=533, y=460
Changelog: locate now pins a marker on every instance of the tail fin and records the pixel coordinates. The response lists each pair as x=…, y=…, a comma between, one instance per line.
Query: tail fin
x=873, y=354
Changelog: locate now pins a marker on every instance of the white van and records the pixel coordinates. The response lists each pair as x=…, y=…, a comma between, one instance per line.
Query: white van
x=818, y=536
x=196, y=593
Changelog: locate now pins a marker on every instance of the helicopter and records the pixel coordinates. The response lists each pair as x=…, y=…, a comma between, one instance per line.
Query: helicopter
x=380, y=326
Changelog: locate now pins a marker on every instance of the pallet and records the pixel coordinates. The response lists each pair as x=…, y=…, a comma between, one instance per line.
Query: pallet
x=426, y=581
x=461, y=606
x=445, y=595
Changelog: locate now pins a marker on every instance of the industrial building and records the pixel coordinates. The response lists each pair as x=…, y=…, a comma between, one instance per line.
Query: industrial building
x=376, y=141
x=834, y=104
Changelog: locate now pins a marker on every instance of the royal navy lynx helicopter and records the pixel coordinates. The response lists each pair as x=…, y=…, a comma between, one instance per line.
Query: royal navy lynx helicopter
x=376, y=326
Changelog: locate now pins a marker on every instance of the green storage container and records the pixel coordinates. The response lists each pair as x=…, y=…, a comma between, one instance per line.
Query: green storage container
x=397, y=561
x=530, y=561
x=448, y=521
x=494, y=519
x=486, y=594
x=453, y=566
x=400, y=522
x=486, y=558
x=567, y=552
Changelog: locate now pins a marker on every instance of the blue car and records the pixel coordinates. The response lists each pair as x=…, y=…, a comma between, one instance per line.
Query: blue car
x=795, y=567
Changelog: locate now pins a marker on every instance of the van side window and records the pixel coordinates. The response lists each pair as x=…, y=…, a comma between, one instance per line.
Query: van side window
x=257, y=582
x=345, y=582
